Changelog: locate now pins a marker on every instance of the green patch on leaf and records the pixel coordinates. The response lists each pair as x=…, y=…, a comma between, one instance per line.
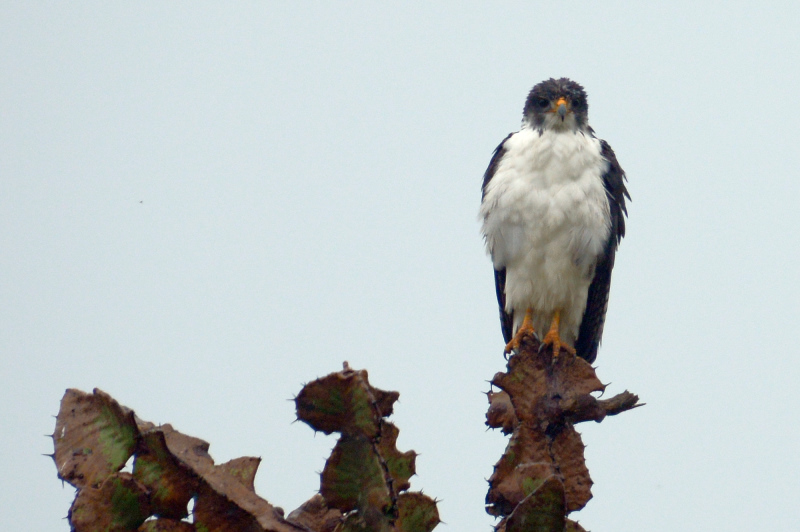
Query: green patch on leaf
x=116, y=439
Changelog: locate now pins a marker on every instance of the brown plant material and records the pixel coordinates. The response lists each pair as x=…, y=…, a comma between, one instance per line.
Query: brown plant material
x=521, y=469
x=315, y=514
x=417, y=513
x=543, y=472
x=344, y=402
x=171, y=483
x=244, y=469
x=353, y=476
x=572, y=526
x=363, y=486
x=541, y=511
x=166, y=525
x=566, y=449
x=501, y=413
x=119, y=503
x=95, y=437
x=401, y=466
x=366, y=476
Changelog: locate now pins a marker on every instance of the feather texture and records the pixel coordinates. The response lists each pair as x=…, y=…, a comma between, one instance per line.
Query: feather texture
x=552, y=207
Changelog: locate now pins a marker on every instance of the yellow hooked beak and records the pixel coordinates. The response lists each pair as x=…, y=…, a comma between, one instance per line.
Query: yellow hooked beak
x=561, y=107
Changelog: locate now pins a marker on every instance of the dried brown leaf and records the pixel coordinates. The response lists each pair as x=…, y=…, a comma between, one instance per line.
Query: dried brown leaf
x=171, y=483
x=220, y=490
x=316, y=515
x=119, y=503
x=213, y=511
x=244, y=469
x=94, y=437
x=190, y=451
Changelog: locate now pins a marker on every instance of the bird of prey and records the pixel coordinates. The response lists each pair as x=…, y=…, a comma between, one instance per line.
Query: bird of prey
x=552, y=206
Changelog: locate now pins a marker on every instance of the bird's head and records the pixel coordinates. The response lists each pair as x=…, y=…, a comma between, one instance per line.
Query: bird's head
x=557, y=104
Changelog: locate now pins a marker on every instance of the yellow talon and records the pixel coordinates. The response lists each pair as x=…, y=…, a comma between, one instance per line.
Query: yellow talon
x=525, y=328
x=553, y=339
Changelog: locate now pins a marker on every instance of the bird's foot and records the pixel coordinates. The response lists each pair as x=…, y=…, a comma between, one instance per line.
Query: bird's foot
x=554, y=340
x=525, y=328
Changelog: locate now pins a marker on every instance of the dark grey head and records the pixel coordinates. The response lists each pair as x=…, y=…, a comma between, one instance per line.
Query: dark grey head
x=557, y=104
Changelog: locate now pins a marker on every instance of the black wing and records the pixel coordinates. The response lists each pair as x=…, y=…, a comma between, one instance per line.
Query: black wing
x=594, y=317
x=506, y=319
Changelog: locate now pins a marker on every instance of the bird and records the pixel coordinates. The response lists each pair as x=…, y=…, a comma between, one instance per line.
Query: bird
x=553, y=215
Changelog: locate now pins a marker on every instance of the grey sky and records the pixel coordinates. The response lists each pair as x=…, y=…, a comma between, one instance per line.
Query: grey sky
x=204, y=206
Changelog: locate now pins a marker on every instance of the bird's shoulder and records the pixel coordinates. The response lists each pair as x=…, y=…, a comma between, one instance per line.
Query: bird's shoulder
x=614, y=182
x=497, y=155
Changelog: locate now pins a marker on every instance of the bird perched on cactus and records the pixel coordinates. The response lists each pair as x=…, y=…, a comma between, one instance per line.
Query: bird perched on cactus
x=553, y=206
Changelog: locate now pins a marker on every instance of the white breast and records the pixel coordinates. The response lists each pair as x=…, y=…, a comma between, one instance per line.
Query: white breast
x=546, y=220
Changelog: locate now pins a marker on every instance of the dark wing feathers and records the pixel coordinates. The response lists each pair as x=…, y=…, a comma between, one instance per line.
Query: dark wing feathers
x=499, y=151
x=594, y=317
x=506, y=319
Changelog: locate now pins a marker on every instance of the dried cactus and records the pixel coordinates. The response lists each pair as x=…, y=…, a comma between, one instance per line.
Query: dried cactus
x=363, y=484
x=540, y=479
x=365, y=477
x=542, y=476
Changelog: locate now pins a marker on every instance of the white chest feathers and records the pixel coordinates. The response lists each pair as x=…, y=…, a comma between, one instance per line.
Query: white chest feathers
x=546, y=219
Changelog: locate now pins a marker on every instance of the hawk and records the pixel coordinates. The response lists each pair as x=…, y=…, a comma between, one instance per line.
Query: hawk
x=553, y=207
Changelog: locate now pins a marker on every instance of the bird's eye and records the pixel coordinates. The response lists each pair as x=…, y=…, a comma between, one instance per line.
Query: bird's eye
x=543, y=103
x=576, y=103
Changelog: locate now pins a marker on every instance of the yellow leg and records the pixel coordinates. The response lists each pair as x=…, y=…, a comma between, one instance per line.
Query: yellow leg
x=525, y=328
x=553, y=339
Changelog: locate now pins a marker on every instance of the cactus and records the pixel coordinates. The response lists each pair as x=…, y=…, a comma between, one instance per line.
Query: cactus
x=542, y=476
x=539, y=480
x=363, y=484
x=366, y=476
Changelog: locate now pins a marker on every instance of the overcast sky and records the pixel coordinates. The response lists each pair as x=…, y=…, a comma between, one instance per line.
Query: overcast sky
x=204, y=206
